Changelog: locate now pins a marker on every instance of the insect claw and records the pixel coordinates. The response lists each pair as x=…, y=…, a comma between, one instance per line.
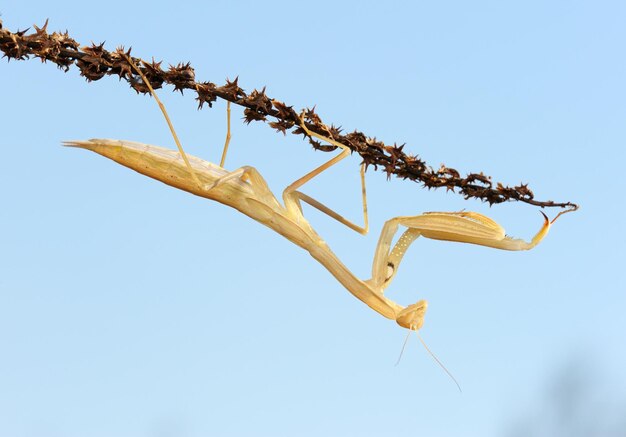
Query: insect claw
x=542, y=232
x=546, y=226
x=572, y=209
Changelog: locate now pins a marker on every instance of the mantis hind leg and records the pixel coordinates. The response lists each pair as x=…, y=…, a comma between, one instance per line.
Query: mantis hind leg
x=292, y=197
x=167, y=119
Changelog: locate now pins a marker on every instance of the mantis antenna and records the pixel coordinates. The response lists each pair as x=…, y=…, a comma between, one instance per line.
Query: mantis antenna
x=406, y=340
x=246, y=191
x=438, y=362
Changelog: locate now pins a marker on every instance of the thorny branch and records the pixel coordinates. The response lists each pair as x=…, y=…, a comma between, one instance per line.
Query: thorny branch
x=94, y=62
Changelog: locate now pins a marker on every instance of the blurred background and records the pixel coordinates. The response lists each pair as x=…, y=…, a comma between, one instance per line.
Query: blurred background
x=128, y=308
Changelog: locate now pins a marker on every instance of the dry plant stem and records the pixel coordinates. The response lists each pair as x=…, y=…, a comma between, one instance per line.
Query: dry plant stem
x=94, y=62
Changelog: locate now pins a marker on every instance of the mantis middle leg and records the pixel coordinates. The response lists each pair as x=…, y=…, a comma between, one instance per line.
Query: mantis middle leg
x=292, y=197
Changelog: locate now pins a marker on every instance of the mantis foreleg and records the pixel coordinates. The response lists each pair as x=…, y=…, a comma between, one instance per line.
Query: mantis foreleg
x=462, y=227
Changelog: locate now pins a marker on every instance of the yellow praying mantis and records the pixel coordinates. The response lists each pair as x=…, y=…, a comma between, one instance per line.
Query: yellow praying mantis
x=246, y=191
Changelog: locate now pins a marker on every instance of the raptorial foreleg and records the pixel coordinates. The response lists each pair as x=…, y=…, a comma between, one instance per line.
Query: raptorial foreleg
x=462, y=227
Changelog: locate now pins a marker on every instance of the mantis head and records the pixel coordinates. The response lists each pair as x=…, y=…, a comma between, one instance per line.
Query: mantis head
x=412, y=317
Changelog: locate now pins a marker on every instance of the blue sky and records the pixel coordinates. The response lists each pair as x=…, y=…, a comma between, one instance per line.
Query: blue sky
x=128, y=308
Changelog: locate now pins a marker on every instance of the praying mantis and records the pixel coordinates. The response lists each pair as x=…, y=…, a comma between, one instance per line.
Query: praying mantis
x=246, y=191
